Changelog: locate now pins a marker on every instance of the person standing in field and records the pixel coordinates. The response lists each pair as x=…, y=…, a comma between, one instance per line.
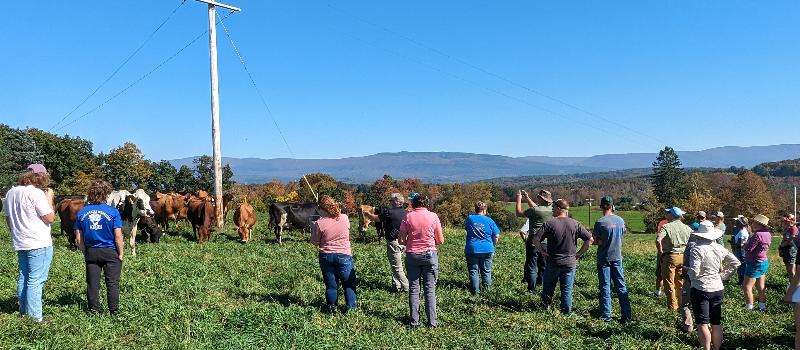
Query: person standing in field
x=539, y=211
x=391, y=219
x=562, y=234
x=741, y=232
x=718, y=218
x=793, y=296
x=756, y=261
x=708, y=266
x=331, y=233
x=29, y=214
x=421, y=232
x=659, y=279
x=98, y=234
x=481, y=239
x=608, y=233
x=670, y=243
x=787, y=249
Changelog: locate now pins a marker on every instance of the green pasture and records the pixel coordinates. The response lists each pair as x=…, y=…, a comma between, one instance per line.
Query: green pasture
x=226, y=295
x=633, y=218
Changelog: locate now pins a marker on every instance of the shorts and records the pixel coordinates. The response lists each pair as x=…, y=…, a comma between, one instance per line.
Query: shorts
x=796, y=296
x=755, y=269
x=707, y=306
x=788, y=254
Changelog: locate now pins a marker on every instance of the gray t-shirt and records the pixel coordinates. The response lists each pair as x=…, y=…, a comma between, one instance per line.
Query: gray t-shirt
x=609, y=230
x=562, y=236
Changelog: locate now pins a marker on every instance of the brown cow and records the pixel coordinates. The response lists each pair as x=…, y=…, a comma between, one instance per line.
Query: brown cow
x=244, y=217
x=201, y=214
x=227, y=203
x=68, y=213
x=163, y=209
x=179, y=209
x=364, y=221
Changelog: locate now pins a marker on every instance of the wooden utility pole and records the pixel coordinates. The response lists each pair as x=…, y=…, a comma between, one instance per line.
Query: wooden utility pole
x=215, y=139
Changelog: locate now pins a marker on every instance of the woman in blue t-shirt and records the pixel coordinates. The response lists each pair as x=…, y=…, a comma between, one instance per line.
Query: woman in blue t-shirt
x=482, y=234
x=98, y=231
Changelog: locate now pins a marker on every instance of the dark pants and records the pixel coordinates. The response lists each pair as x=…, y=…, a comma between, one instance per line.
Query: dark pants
x=424, y=267
x=338, y=269
x=534, y=267
x=107, y=261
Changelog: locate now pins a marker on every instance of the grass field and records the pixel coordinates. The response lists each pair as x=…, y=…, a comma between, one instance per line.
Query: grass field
x=633, y=219
x=226, y=295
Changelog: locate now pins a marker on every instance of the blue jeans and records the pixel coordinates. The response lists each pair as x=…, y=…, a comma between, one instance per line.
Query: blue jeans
x=34, y=266
x=338, y=269
x=608, y=272
x=479, y=263
x=534, y=266
x=565, y=275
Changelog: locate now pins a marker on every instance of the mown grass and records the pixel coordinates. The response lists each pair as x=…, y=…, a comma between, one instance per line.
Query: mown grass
x=633, y=218
x=225, y=295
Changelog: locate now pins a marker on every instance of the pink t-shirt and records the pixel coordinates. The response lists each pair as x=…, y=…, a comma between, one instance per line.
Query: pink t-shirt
x=331, y=235
x=420, y=225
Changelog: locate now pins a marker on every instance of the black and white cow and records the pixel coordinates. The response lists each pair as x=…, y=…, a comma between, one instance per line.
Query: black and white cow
x=295, y=215
x=132, y=207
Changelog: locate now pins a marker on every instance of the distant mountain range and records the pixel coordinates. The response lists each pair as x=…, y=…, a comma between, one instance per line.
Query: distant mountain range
x=465, y=167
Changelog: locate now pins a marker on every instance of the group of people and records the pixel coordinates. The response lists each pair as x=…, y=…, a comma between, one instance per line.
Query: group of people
x=692, y=266
x=28, y=209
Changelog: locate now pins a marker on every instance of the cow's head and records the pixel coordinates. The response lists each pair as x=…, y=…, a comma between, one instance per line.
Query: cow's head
x=363, y=220
x=143, y=203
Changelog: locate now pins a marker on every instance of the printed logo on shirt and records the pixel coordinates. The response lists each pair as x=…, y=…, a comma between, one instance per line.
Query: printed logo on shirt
x=94, y=217
x=480, y=233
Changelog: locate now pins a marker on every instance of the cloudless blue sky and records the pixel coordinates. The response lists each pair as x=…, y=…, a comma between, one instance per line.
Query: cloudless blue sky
x=352, y=78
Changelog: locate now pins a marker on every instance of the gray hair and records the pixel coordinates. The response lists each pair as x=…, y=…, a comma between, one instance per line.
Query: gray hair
x=397, y=198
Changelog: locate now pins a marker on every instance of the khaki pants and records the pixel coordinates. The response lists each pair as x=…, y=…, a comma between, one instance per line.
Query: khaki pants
x=671, y=266
x=394, y=252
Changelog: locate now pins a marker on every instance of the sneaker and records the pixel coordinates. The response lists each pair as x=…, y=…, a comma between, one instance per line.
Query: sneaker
x=762, y=307
x=657, y=294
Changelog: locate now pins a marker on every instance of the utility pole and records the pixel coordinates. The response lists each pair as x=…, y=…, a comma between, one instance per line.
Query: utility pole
x=215, y=139
x=590, y=210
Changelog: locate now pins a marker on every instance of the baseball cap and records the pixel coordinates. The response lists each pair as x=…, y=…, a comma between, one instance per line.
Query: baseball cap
x=606, y=201
x=37, y=168
x=701, y=214
x=411, y=197
x=675, y=211
x=717, y=214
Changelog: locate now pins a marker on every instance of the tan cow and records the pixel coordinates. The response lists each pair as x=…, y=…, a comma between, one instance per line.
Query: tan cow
x=244, y=217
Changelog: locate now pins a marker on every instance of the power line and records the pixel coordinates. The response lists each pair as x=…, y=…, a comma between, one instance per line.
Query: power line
x=264, y=102
x=492, y=74
x=114, y=73
x=137, y=81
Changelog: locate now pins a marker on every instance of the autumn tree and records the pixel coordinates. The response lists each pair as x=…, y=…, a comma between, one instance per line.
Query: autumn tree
x=699, y=195
x=64, y=157
x=323, y=184
x=748, y=195
x=126, y=167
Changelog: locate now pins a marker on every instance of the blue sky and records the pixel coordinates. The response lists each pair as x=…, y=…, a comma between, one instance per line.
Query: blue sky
x=353, y=78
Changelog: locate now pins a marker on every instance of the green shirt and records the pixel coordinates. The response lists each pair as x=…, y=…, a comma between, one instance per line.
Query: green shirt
x=536, y=218
x=674, y=236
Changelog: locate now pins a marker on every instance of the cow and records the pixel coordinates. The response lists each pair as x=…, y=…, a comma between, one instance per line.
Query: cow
x=67, y=210
x=364, y=221
x=227, y=203
x=179, y=210
x=244, y=217
x=296, y=215
x=148, y=226
x=132, y=208
x=163, y=209
x=202, y=216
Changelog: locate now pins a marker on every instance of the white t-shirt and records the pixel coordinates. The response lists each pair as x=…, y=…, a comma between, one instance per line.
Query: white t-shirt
x=24, y=206
x=741, y=236
x=525, y=228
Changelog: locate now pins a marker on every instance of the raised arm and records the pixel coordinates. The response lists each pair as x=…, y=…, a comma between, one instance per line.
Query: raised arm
x=519, y=211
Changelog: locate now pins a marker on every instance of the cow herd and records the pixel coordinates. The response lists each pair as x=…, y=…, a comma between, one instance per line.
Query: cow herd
x=150, y=216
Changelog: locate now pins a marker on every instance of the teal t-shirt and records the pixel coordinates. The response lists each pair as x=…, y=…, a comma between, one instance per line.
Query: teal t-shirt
x=481, y=231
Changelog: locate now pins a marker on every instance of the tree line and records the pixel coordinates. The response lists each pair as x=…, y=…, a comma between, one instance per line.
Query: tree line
x=72, y=164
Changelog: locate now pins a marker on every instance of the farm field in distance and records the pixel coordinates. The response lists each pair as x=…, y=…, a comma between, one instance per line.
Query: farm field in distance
x=633, y=218
x=227, y=295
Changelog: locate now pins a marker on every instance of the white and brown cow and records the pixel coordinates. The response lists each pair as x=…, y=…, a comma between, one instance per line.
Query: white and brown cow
x=131, y=207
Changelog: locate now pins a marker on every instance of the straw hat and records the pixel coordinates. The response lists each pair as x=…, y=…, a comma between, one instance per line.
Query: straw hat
x=707, y=230
x=761, y=219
